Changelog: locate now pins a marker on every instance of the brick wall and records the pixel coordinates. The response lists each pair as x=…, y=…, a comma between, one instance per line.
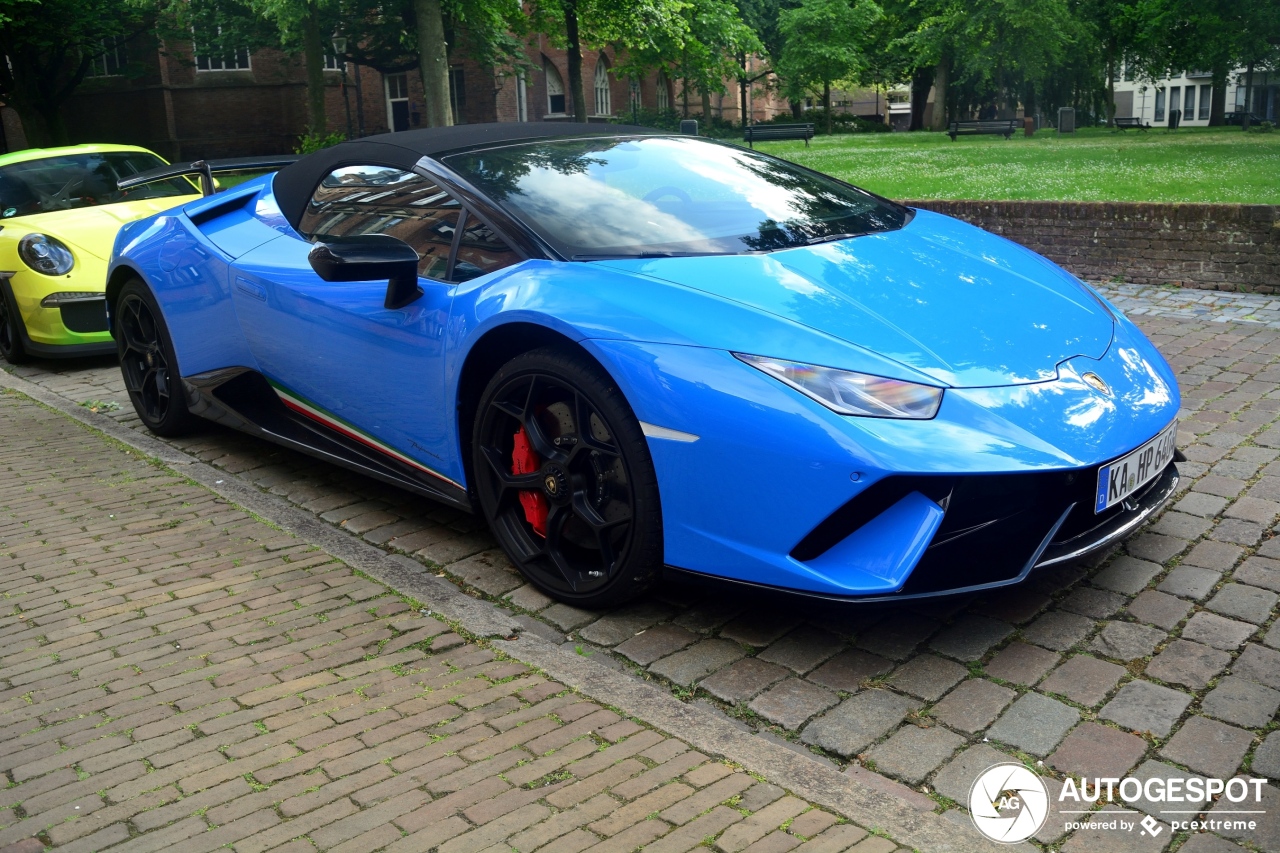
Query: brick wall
x=1207, y=246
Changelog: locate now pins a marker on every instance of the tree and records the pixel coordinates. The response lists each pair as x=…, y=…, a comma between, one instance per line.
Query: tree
x=390, y=35
x=700, y=54
x=433, y=62
x=930, y=38
x=763, y=17
x=1215, y=34
x=825, y=43
x=51, y=46
x=379, y=34
x=892, y=61
x=486, y=28
x=991, y=54
x=1115, y=26
x=304, y=26
x=719, y=42
x=1008, y=49
x=635, y=25
x=222, y=27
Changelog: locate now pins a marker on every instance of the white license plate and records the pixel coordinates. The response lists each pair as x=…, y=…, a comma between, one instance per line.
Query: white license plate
x=1121, y=478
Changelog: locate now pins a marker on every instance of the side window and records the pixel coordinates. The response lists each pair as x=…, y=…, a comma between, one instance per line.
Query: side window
x=383, y=200
x=480, y=251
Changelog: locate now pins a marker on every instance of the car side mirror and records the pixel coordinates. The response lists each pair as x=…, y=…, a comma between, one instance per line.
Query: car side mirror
x=369, y=257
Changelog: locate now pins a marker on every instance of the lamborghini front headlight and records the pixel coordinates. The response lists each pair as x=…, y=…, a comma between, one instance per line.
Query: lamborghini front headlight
x=849, y=393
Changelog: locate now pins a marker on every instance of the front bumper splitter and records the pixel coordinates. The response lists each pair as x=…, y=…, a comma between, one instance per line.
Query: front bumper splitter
x=1138, y=510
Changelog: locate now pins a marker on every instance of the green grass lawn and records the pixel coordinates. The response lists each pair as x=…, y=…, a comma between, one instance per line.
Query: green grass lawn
x=1193, y=164
x=227, y=180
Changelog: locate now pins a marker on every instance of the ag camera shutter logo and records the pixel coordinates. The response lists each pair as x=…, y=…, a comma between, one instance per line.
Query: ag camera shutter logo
x=1008, y=803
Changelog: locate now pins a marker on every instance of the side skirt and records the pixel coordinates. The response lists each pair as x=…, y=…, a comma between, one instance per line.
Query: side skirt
x=245, y=400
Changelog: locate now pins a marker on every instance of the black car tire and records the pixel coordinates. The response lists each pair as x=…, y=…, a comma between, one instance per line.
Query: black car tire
x=11, y=348
x=601, y=543
x=148, y=363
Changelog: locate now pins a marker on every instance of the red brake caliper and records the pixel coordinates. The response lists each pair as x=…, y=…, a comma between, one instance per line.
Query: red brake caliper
x=525, y=461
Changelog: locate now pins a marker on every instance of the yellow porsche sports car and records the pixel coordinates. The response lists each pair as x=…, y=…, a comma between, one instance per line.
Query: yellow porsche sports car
x=60, y=209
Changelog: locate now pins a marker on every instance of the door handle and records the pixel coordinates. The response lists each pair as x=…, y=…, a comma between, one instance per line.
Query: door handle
x=248, y=288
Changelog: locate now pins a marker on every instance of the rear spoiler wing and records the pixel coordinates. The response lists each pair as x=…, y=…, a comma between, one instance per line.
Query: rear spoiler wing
x=205, y=169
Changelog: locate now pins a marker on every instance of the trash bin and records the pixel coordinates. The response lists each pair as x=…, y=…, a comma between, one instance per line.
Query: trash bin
x=1175, y=119
x=1028, y=126
x=689, y=126
x=1066, y=120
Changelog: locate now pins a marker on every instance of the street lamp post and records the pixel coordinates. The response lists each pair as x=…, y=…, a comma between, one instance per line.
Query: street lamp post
x=359, y=101
x=339, y=51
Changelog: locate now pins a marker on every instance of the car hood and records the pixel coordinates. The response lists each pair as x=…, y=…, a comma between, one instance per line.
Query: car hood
x=91, y=229
x=963, y=306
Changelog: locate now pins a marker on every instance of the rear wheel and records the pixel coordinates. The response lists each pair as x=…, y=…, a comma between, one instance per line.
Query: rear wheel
x=148, y=363
x=11, y=348
x=565, y=480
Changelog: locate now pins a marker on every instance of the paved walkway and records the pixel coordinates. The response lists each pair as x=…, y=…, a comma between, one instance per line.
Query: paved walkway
x=176, y=674
x=1159, y=660
x=1138, y=300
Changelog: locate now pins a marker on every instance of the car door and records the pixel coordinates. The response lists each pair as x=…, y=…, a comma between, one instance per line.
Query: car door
x=331, y=349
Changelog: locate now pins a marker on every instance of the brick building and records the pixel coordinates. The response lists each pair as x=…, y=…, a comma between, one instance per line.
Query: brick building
x=186, y=106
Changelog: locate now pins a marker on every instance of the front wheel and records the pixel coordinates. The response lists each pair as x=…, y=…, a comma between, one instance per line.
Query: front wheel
x=147, y=361
x=565, y=479
x=11, y=348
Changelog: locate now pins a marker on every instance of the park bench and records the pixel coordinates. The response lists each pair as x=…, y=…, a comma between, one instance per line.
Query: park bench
x=1003, y=127
x=753, y=133
x=1123, y=124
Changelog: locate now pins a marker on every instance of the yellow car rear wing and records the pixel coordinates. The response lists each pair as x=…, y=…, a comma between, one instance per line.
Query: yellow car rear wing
x=205, y=169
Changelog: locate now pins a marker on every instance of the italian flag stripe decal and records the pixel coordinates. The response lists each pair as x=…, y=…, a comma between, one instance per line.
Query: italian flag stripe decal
x=305, y=407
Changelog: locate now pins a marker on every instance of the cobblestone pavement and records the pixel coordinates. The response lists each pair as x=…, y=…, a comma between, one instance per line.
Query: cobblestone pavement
x=1217, y=306
x=1159, y=659
x=176, y=674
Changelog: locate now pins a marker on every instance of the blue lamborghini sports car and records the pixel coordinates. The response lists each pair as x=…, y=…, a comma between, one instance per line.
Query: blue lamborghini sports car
x=636, y=352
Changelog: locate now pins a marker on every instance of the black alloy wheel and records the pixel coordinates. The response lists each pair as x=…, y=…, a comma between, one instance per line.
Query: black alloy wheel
x=148, y=363
x=11, y=347
x=565, y=479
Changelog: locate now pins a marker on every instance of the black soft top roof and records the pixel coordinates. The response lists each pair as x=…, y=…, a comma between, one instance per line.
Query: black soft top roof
x=294, y=185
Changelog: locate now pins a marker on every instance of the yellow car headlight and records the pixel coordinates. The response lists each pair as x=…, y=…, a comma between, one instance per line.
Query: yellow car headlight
x=45, y=254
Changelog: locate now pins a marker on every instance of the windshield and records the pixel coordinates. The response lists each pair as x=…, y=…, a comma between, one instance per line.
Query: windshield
x=658, y=196
x=80, y=180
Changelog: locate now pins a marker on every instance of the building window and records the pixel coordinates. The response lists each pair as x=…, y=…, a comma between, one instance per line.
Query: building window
x=112, y=61
x=235, y=60
x=1128, y=72
x=1189, y=104
x=555, y=91
x=458, y=96
x=397, y=101
x=522, y=97
x=664, y=94
x=1206, y=101
x=1160, y=104
x=604, y=102
x=1175, y=98
x=1264, y=102
x=331, y=63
